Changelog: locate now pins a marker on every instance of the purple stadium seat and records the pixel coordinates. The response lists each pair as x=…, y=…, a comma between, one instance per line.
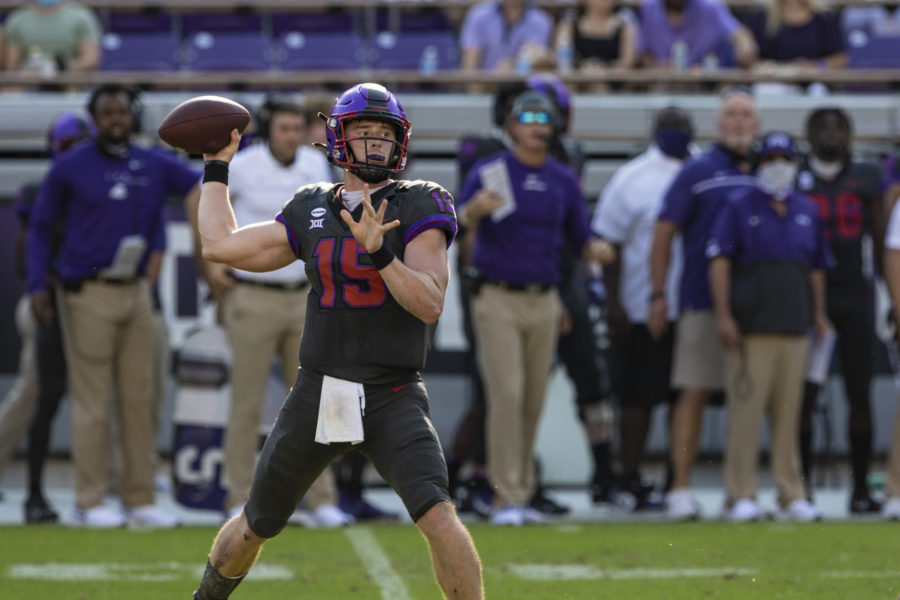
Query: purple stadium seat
x=140, y=52
x=311, y=22
x=873, y=49
x=403, y=51
x=337, y=50
x=219, y=22
x=429, y=18
x=229, y=52
x=139, y=22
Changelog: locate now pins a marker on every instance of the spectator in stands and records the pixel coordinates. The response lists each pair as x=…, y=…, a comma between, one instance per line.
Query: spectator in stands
x=41, y=381
x=687, y=33
x=797, y=33
x=516, y=304
x=599, y=37
x=768, y=257
x=506, y=35
x=54, y=35
x=848, y=193
x=264, y=312
x=891, y=508
x=110, y=196
x=689, y=207
x=625, y=217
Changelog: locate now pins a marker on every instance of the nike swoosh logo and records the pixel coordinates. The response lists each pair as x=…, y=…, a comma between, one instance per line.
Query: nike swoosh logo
x=399, y=387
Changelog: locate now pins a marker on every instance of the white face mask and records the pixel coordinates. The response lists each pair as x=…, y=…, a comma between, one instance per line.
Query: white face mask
x=777, y=177
x=825, y=170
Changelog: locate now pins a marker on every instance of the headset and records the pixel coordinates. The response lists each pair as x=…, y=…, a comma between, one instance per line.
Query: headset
x=134, y=99
x=271, y=105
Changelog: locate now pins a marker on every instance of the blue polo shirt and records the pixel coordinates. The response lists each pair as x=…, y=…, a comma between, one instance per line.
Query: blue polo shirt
x=101, y=199
x=525, y=247
x=748, y=230
x=485, y=29
x=692, y=202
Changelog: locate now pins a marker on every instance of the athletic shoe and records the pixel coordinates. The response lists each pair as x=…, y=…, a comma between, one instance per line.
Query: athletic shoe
x=508, y=515
x=38, y=511
x=362, y=510
x=149, y=516
x=547, y=505
x=861, y=504
x=330, y=516
x=99, y=517
x=682, y=506
x=800, y=510
x=532, y=516
x=196, y=595
x=744, y=510
x=891, y=509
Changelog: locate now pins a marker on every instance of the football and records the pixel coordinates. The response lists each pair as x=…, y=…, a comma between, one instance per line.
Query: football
x=203, y=124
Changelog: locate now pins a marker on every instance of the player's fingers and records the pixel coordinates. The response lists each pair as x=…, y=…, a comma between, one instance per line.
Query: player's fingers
x=368, y=209
x=348, y=219
x=381, y=210
x=391, y=225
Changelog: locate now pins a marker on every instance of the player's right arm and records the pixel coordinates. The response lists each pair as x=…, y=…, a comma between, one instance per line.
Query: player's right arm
x=258, y=247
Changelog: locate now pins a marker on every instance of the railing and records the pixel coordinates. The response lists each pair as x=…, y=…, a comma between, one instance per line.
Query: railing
x=655, y=79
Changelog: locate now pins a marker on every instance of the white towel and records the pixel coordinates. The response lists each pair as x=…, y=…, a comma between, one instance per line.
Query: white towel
x=340, y=411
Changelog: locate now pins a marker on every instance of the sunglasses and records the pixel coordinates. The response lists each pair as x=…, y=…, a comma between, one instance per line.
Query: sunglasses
x=530, y=116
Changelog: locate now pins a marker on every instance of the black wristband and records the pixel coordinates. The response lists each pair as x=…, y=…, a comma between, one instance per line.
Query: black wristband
x=215, y=170
x=381, y=257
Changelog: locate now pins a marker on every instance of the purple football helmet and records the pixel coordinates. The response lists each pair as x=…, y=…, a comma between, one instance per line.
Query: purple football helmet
x=552, y=86
x=68, y=129
x=366, y=101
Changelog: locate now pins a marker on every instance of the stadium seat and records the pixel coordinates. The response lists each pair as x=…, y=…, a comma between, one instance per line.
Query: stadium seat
x=404, y=51
x=873, y=49
x=140, y=52
x=139, y=22
x=428, y=18
x=335, y=50
x=221, y=22
x=229, y=52
x=335, y=20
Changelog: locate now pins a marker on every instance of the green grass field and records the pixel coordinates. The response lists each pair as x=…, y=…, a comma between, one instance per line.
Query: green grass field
x=578, y=561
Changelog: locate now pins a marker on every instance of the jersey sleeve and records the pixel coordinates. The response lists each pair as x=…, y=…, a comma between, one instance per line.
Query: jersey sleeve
x=290, y=216
x=427, y=206
x=611, y=217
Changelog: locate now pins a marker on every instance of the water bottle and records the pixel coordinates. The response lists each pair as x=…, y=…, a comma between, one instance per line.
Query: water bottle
x=40, y=62
x=565, y=54
x=428, y=62
x=710, y=62
x=523, y=61
x=679, y=55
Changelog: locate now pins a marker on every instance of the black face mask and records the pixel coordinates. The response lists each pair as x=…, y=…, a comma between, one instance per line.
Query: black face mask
x=829, y=152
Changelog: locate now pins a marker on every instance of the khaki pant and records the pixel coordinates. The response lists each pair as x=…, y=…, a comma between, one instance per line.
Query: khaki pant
x=764, y=375
x=261, y=323
x=892, y=485
x=515, y=336
x=108, y=340
x=17, y=408
x=697, y=360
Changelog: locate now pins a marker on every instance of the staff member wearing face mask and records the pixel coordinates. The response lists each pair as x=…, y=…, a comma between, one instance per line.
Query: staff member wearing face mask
x=848, y=193
x=768, y=256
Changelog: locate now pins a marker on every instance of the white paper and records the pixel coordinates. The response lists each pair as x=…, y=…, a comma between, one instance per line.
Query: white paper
x=128, y=257
x=495, y=177
x=340, y=411
x=819, y=358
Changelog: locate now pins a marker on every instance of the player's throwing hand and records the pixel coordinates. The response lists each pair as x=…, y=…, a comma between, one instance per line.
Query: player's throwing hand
x=370, y=229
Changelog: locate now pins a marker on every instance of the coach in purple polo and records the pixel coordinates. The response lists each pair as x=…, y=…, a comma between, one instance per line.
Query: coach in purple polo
x=706, y=27
x=515, y=306
x=494, y=32
x=768, y=256
x=689, y=207
x=109, y=197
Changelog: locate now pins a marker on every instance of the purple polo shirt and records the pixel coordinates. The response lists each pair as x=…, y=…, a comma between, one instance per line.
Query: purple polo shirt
x=691, y=203
x=485, y=29
x=525, y=246
x=101, y=199
x=816, y=39
x=706, y=26
x=748, y=230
